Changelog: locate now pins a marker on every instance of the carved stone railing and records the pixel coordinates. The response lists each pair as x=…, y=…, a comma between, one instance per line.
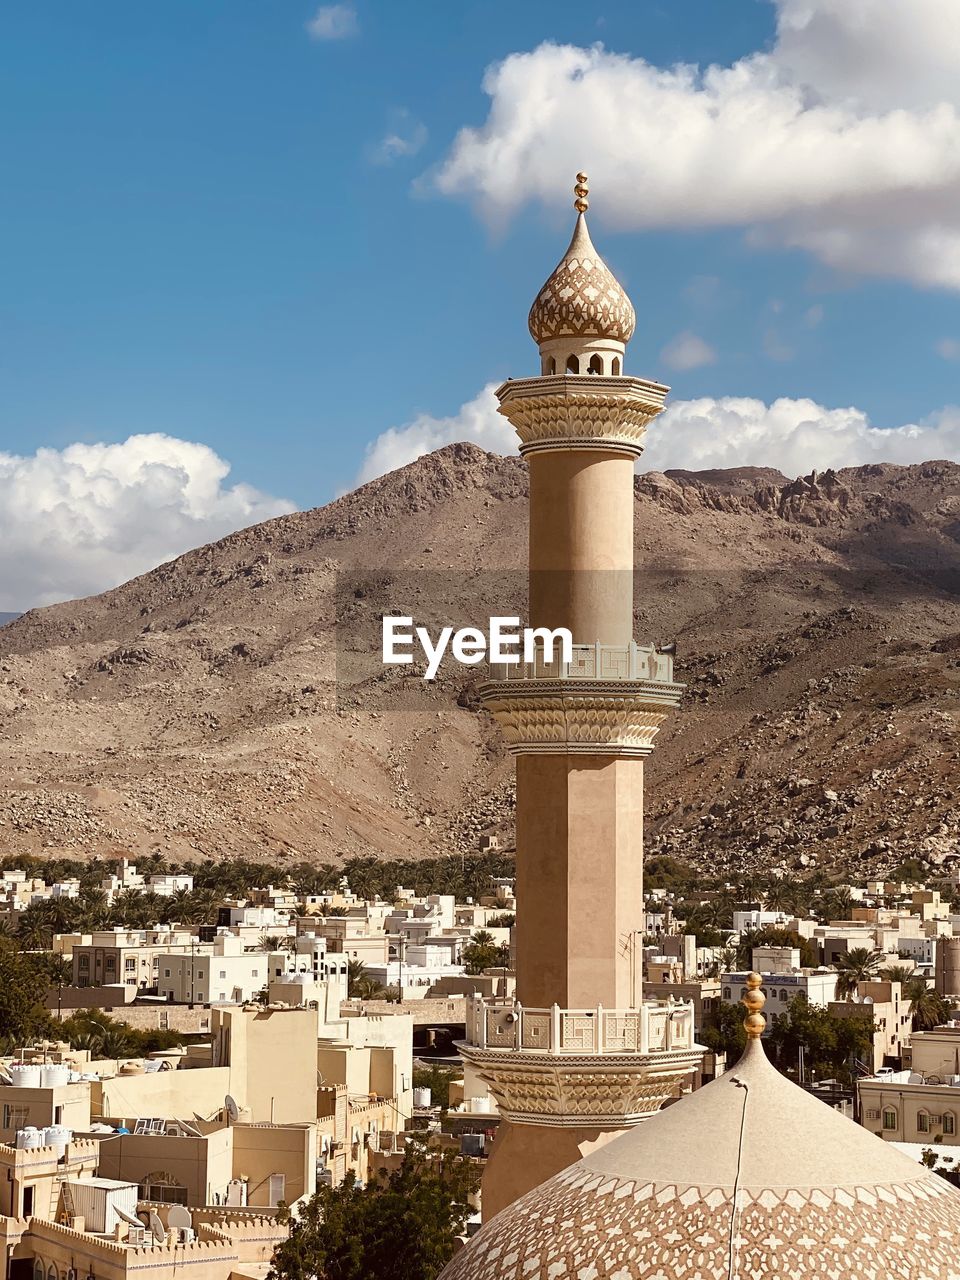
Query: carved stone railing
x=655, y=1027
x=594, y=662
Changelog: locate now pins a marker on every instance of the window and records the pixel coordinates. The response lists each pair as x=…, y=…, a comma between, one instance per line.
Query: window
x=615, y=368
x=38, y=1271
x=84, y=962
x=129, y=964
x=949, y=1123
x=783, y=997
x=923, y=1122
x=28, y=1204
x=553, y=365
x=223, y=973
x=253, y=973
x=166, y=973
x=595, y=365
x=278, y=1186
x=727, y=994
x=15, y=1115
x=573, y=364
x=889, y=1118
x=163, y=1187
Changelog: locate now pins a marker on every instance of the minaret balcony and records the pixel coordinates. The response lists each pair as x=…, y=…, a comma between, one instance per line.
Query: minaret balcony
x=588, y=411
x=608, y=700
x=575, y=1066
x=596, y=662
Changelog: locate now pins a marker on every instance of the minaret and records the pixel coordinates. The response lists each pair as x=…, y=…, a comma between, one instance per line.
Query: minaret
x=578, y=1057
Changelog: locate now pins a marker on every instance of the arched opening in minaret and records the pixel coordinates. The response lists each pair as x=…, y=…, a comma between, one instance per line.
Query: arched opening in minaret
x=550, y=366
x=615, y=368
x=573, y=364
x=595, y=365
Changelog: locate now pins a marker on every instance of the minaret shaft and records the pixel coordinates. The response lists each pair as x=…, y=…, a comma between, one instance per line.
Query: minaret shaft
x=580, y=880
x=581, y=543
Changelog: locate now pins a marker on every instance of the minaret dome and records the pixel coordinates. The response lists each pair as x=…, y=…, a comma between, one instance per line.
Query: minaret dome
x=581, y=319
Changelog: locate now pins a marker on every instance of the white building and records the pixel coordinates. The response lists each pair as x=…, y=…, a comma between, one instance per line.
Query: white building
x=818, y=985
x=219, y=973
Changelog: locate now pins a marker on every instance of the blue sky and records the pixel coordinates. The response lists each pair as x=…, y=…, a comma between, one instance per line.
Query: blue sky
x=208, y=234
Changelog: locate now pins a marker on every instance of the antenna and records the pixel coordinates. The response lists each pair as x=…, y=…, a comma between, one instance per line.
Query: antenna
x=158, y=1229
x=233, y=1111
x=190, y=1130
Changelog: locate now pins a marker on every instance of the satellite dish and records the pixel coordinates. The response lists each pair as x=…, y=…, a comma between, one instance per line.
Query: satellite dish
x=158, y=1229
x=128, y=1218
x=180, y=1217
x=233, y=1111
x=190, y=1130
x=4, y=1077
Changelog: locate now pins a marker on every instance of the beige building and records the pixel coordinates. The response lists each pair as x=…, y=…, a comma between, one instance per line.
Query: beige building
x=127, y=956
x=245, y=1165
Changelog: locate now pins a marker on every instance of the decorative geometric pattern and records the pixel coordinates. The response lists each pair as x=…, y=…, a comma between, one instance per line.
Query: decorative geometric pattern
x=586, y=1226
x=623, y=722
x=582, y=297
x=557, y=415
x=611, y=1089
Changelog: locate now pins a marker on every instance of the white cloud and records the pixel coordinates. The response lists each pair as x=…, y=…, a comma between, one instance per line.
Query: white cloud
x=813, y=316
x=948, y=348
x=334, y=22
x=687, y=351
x=843, y=139
x=79, y=520
x=477, y=421
x=697, y=435
x=405, y=136
x=792, y=435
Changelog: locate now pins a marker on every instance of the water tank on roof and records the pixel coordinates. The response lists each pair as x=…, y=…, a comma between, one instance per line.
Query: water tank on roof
x=56, y=1135
x=24, y=1075
x=53, y=1075
x=29, y=1138
x=422, y=1097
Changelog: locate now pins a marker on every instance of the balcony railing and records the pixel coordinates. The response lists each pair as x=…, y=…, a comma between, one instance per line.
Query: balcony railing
x=657, y=1026
x=594, y=662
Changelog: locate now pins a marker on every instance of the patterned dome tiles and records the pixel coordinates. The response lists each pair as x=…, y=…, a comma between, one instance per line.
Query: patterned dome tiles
x=582, y=297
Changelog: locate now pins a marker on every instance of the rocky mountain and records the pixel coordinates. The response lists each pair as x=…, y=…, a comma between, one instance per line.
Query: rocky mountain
x=207, y=707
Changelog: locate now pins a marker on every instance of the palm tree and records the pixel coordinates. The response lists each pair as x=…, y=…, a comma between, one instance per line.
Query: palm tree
x=858, y=965
x=901, y=973
x=270, y=942
x=927, y=1006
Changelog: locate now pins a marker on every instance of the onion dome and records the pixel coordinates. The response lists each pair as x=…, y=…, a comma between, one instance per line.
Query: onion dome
x=748, y=1177
x=582, y=298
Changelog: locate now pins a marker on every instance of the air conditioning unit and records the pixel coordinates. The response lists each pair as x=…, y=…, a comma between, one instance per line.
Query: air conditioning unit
x=136, y=1235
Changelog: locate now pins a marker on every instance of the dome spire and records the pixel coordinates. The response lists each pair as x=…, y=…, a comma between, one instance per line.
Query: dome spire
x=754, y=1023
x=581, y=319
x=581, y=191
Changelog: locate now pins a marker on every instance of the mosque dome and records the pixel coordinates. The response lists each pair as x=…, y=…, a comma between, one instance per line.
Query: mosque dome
x=582, y=298
x=749, y=1177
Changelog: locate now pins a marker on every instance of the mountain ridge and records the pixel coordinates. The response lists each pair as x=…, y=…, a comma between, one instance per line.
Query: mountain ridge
x=196, y=709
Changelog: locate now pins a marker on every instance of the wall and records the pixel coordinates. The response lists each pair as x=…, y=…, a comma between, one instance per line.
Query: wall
x=162, y=1093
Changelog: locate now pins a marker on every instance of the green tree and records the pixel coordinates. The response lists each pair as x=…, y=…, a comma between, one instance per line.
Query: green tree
x=402, y=1226
x=928, y=1008
x=774, y=936
x=23, y=984
x=857, y=965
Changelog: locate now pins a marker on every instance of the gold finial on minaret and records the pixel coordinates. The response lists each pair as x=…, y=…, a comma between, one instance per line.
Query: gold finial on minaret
x=753, y=1002
x=581, y=191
